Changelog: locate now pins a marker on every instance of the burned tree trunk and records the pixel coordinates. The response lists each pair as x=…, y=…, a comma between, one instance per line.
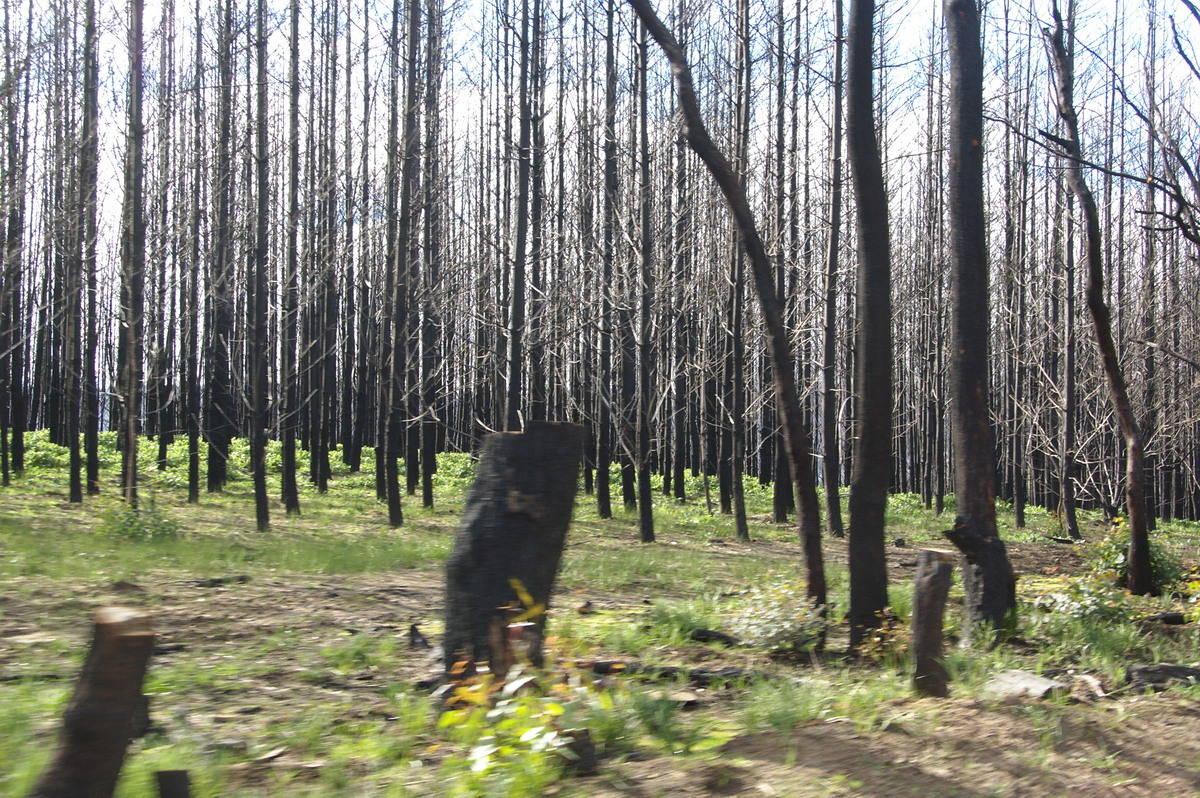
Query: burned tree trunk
x=510, y=542
x=988, y=583
x=787, y=399
x=930, y=589
x=1138, y=574
x=100, y=718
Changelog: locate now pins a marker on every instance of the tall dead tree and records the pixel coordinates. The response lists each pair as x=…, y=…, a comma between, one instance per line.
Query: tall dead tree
x=289, y=406
x=988, y=581
x=608, y=224
x=831, y=462
x=257, y=285
x=514, y=411
x=786, y=396
x=645, y=333
x=133, y=266
x=1138, y=575
x=219, y=412
x=872, y=456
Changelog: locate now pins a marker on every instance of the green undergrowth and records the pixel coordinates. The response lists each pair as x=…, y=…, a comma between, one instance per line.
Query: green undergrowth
x=343, y=718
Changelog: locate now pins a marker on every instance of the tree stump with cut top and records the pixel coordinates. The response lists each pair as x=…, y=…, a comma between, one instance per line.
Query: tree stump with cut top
x=100, y=717
x=930, y=589
x=510, y=541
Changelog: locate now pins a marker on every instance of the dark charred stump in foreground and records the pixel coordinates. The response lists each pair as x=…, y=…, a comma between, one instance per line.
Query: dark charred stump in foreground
x=512, y=534
x=989, y=585
x=930, y=589
x=101, y=716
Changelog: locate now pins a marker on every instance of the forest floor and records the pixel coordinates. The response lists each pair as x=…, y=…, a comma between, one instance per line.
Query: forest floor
x=282, y=646
x=294, y=682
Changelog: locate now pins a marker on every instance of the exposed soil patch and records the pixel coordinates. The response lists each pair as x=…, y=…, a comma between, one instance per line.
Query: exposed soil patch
x=342, y=641
x=954, y=749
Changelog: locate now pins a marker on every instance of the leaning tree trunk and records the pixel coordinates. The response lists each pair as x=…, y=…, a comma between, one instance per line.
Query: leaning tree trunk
x=510, y=542
x=1140, y=581
x=988, y=582
x=786, y=397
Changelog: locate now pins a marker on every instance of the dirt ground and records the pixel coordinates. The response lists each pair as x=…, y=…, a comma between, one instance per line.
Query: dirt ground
x=1134, y=746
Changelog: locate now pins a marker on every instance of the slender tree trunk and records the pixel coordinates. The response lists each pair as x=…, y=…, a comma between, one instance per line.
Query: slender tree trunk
x=645, y=289
x=608, y=235
x=730, y=184
x=516, y=306
x=405, y=232
x=1138, y=574
x=193, y=393
x=1066, y=489
x=736, y=385
x=257, y=322
x=988, y=582
x=219, y=419
x=289, y=408
x=873, y=339
x=133, y=263
x=431, y=365
x=831, y=463
x=83, y=380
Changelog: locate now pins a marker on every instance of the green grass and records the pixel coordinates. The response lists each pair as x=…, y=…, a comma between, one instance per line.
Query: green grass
x=380, y=737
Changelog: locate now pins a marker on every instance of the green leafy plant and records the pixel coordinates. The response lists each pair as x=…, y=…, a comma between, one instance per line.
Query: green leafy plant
x=1108, y=559
x=778, y=616
x=521, y=732
x=783, y=705
x=1086, y=597
x=143, y=524
x=887, y=644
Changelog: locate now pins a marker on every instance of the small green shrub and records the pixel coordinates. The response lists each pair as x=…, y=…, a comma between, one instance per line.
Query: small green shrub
x=1108, y=559
x=520, y=732
x=779, y=616
x=40, y=453
x=888, y=643
x=783, y=705
x=1086, y=598
x=143, y=524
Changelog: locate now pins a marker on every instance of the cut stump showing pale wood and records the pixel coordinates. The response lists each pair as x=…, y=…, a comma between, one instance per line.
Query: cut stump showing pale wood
x=513, y=530
x=100, y=717
x=931, y=586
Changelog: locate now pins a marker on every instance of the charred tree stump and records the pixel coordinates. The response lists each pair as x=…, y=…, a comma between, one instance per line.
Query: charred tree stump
x=511, y=538
x=173, y=784
x=989, y=585
x=99, y=720
x=930, y=588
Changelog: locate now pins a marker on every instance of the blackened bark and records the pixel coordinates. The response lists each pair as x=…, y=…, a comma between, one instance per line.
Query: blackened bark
x=133, y=263
x=219, y=421
x=289, y=407
x=786, y=396
x=99, y=719
x=431, y=353
x=645, y=346
x=514, y=408
x=608, y=235
x=872, y=457
x=930, y=589
x=192, y=398
x=1139, y=578
x=988, y=583
x=257, y=323
x=512, y=533
x=831, y=449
